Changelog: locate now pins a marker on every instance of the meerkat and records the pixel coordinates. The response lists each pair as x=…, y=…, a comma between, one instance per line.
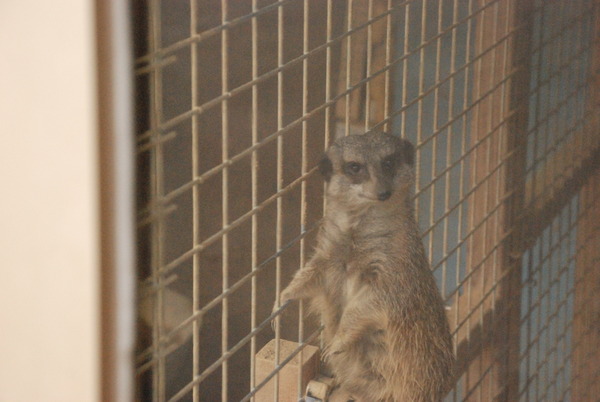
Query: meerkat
x=385, y=333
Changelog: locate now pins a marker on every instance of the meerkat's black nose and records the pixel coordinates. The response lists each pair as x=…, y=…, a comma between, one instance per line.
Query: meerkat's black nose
x=384, y=195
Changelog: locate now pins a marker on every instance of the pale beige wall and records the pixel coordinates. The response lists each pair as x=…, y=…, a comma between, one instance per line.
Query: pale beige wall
x=49, y=310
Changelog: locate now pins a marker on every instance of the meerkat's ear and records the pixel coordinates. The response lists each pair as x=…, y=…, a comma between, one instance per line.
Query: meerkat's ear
x=408, y=152
x=326, y=167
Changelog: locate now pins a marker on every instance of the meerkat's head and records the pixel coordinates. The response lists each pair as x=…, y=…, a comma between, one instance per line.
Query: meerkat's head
x=369, y=168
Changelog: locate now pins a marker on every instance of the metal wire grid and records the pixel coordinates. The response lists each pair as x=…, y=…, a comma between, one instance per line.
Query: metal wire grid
x=558, y=117
x=554, y=358
x=559, y=91
x=449, y=67
x=584, y=346
x=547, y=310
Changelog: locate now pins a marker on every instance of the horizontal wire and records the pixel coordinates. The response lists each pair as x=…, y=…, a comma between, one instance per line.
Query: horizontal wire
x=208, y=33
x=155, y=141
x=155, y=65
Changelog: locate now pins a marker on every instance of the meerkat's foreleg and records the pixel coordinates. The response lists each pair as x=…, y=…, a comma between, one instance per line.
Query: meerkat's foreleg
x=305, y=284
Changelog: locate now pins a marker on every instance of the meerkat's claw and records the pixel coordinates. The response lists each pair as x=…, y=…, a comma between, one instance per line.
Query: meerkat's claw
x=277, y=307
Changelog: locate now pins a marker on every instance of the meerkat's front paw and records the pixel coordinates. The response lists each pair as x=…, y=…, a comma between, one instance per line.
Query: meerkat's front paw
x=278, y=306
x=336, y=347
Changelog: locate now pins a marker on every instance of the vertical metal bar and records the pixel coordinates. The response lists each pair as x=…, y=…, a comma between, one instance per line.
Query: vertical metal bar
x=463, y=202
x=328, y=111
x=540, y=281
x=196, y=279
x=279, y=223
x=448, y=156
x=541, y=271
x=328, y=79
x=225, y=195
x=434, y=147
x=303, y=170
x=536, y=93
x=557, y=95
x=117, y=214
x=368, y=67
x=544, y=165
x=463, y=159
x=450, y=129
x=530, y=280
x=472, y=268
x=553, y=332
x=254, y=179
x=157, y=189
x=405, y=68
x=388, y=56
x=473, y=370
x=487, y=227
x=348, y=69
x=550, y=139
x=421, y=83
x=502, y=150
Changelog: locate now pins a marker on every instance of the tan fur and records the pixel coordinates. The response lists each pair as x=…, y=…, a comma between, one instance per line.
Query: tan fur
x=386, y=335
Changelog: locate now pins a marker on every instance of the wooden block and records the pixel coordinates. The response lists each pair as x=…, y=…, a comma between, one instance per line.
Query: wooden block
x=288, y=376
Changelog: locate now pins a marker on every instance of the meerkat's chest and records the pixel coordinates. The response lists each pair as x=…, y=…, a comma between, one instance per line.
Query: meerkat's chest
x=343, y=280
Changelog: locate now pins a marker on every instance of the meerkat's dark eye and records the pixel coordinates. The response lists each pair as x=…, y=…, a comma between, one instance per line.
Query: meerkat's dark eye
x=389, y=164
x=353, y=168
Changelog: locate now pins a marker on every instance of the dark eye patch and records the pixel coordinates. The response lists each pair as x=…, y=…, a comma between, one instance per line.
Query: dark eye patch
x=389, y=164
x=326, y=168
x=407, y=152
x=355, y=171
x=353, y=168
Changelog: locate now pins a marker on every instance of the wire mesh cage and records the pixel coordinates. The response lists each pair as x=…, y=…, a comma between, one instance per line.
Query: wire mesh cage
x=236, y=102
